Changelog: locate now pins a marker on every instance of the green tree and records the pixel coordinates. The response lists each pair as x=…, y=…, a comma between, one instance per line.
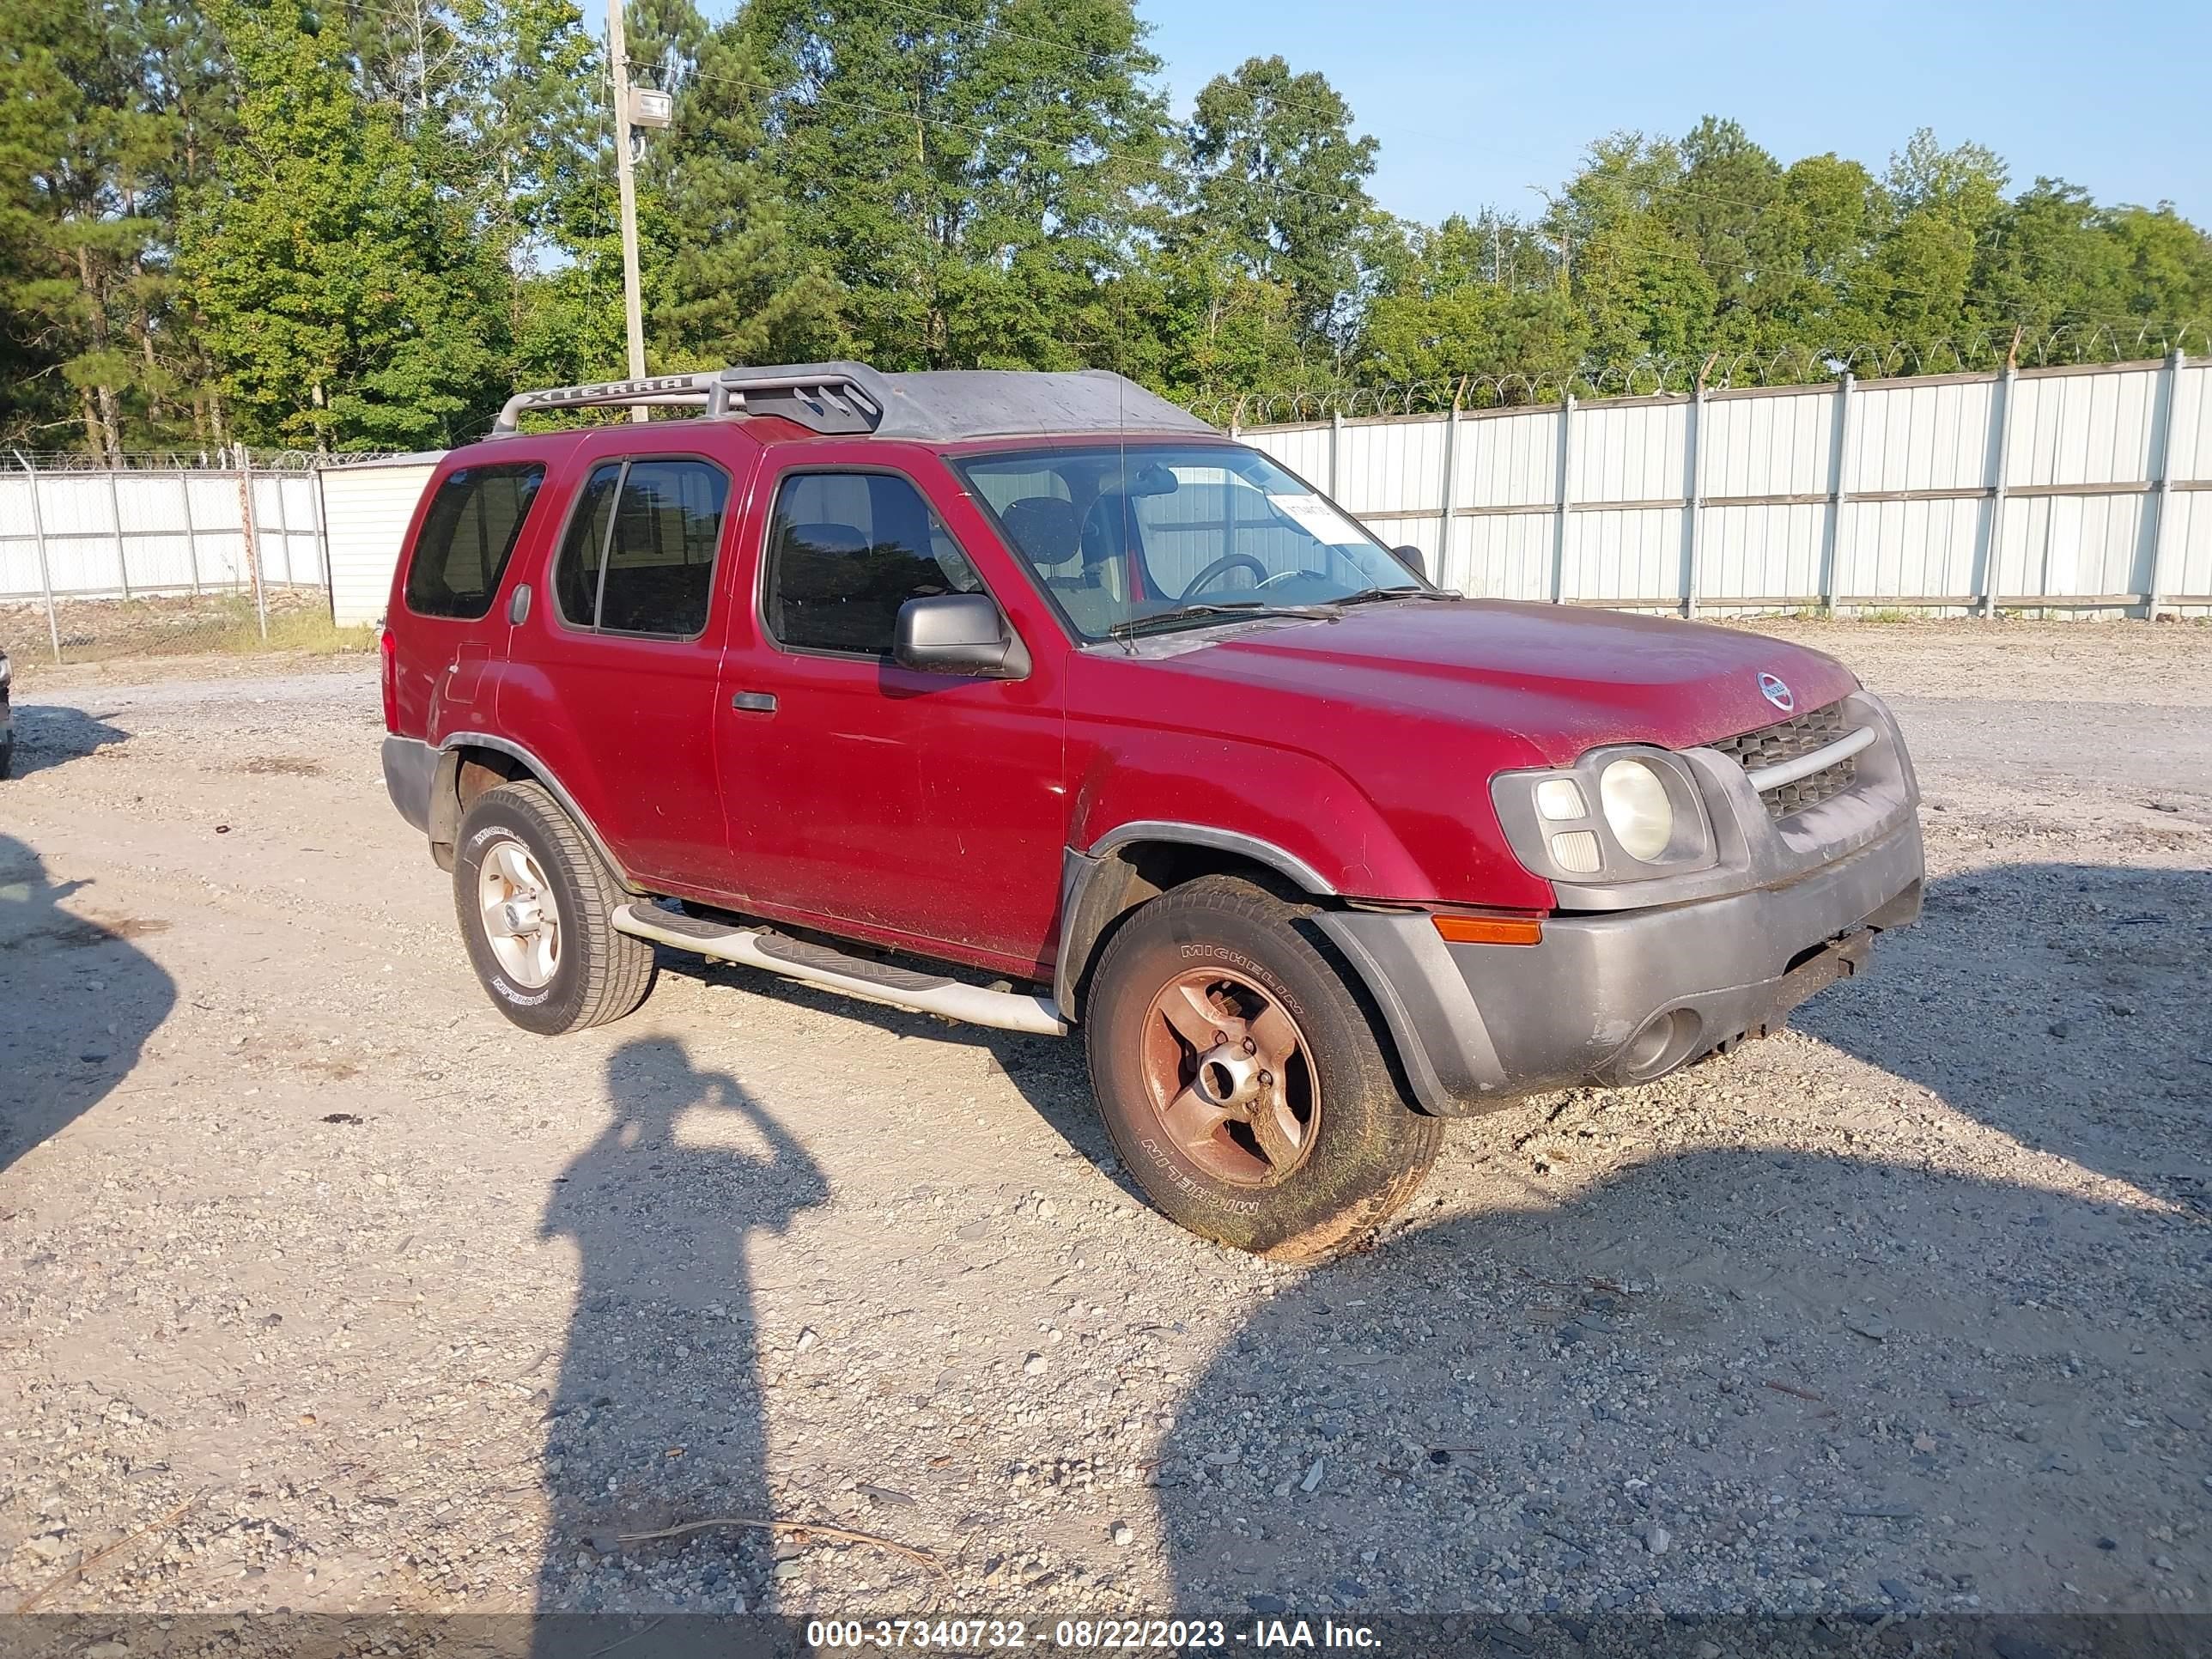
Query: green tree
x=2046, y=257
x=1276, y=190
x=1630, y=260
x=105, y=113
x=1809, y=250
x=2168, y=261
x=1474, y=298
x=1946, y=201
x=1727, y=189
x=731, y=282
x=347, y=299
x=970, y=173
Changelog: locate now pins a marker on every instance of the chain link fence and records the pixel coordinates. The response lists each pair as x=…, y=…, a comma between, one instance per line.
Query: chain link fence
x=220, y=553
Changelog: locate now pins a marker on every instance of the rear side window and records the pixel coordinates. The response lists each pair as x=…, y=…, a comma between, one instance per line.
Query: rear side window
x=846, y=550
x=638, y=556
x=468, y=536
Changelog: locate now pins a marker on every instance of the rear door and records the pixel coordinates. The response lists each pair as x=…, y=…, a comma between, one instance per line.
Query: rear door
x=613, y=673
x=920, y=809
x=445, y=628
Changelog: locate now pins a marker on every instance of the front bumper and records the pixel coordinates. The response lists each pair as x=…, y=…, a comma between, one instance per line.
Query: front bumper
x=1618, y=995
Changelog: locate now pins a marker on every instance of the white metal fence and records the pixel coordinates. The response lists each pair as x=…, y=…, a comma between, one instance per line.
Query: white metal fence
x=2073, y=489
x=157, y=527
x=2067, y=490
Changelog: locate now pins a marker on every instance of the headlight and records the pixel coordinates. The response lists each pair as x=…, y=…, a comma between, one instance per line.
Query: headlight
x=1623, y=813
x=1636, y=809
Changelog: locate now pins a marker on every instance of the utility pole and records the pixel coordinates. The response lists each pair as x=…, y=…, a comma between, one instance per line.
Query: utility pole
x=633, y=291
x=1565, y=253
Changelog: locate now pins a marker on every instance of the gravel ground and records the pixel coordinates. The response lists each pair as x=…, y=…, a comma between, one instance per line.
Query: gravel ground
x=1905, y=1309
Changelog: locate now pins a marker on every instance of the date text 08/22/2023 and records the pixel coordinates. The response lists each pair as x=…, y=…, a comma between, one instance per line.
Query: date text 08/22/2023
x=1087, y=1635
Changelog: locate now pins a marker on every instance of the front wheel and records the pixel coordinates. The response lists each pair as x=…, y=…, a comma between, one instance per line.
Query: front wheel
x=535, y=903
x=1241, y=1078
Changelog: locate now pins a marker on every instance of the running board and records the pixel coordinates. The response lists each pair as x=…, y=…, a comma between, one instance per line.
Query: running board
x=818, y=965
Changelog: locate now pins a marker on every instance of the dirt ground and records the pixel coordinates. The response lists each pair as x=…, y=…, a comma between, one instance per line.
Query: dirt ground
x=355, y=1297
x=121, y=635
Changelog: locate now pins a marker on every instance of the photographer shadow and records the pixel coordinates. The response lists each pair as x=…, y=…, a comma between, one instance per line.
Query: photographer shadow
x=81, y=1001
x=659, y=1418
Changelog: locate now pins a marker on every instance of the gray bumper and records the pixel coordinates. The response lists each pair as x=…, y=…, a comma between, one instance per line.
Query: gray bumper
x=1621, y=996
x=410, y=768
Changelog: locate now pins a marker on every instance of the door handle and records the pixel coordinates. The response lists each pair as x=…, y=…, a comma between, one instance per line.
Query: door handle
x=754, y=702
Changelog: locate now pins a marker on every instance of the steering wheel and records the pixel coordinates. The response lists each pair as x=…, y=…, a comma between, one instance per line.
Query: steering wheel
x=1284, y=576
x=1221, y=565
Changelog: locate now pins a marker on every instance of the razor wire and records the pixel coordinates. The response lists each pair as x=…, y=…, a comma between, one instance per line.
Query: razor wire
x=222, y=459
x=1652, y=374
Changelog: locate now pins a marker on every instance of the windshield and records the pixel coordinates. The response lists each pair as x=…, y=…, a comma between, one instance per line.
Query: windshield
x=1165, y=535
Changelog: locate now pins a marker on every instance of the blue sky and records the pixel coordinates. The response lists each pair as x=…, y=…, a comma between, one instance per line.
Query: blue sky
x=1475, y=102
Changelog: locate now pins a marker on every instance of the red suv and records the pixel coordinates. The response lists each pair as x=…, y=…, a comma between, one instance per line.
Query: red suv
x=1032, y=700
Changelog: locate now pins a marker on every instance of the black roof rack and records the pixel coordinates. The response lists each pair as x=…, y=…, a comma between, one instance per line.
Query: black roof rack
x=932, y=405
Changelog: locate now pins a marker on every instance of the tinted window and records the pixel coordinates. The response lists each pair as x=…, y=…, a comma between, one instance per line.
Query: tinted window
x=639, y=557
x=468, y=534
x=846, y=550
x=660, y=560
x=576, y=570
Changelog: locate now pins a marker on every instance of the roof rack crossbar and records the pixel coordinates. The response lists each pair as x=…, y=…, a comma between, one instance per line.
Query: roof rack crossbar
x=664, y=390
x=828, y=398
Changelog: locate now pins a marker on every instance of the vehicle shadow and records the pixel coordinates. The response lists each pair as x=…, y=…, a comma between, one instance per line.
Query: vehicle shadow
x=1860, y=1379
x=1050, y=1073
x=48, y=735
x=2064, y=1004
x=80, y=1002
x=658, y=1418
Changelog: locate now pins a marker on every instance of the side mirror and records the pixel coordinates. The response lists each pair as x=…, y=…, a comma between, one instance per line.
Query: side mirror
x=1412, y=558
x=959, y=633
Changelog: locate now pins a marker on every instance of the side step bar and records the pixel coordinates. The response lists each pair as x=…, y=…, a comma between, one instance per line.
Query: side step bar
x=817, y=964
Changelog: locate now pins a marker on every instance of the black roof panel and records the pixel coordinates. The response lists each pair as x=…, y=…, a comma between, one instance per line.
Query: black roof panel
x=950, y=405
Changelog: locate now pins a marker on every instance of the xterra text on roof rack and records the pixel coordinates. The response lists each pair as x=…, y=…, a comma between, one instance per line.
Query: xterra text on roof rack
x=1032, y=700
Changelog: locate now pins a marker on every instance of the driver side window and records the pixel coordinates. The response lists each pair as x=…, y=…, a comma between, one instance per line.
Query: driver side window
x=845, y=551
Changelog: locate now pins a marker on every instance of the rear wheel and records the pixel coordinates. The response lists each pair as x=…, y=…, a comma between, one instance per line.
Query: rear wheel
x=1241, y=1078
x=534, y=904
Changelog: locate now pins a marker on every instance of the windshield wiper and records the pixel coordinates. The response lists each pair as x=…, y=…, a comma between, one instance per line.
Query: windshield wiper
x=1370, y=595
x=1235, y=608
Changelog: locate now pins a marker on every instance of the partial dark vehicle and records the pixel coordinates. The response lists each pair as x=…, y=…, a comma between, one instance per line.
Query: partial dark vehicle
x=1030, y=700
x=7, y=715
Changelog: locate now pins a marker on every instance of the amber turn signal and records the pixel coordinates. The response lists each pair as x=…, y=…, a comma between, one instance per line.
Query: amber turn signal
x=1490, y=930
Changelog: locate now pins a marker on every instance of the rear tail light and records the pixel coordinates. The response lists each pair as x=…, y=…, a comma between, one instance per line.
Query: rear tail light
x=388, y=647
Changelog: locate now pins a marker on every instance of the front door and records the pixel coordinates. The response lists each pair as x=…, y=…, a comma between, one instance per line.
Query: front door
x=920, y=809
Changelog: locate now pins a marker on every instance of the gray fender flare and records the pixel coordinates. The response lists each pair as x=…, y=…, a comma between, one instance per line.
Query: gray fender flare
x=1432, y=1022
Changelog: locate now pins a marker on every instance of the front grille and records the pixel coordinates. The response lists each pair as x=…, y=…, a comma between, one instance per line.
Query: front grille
x=1786, y=740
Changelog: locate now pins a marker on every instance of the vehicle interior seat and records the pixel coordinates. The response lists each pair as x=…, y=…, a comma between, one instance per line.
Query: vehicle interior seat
x=1054, y=537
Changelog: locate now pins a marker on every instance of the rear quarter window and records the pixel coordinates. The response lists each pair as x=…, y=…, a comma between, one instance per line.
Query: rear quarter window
x=638, y=556
x=468, y=536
